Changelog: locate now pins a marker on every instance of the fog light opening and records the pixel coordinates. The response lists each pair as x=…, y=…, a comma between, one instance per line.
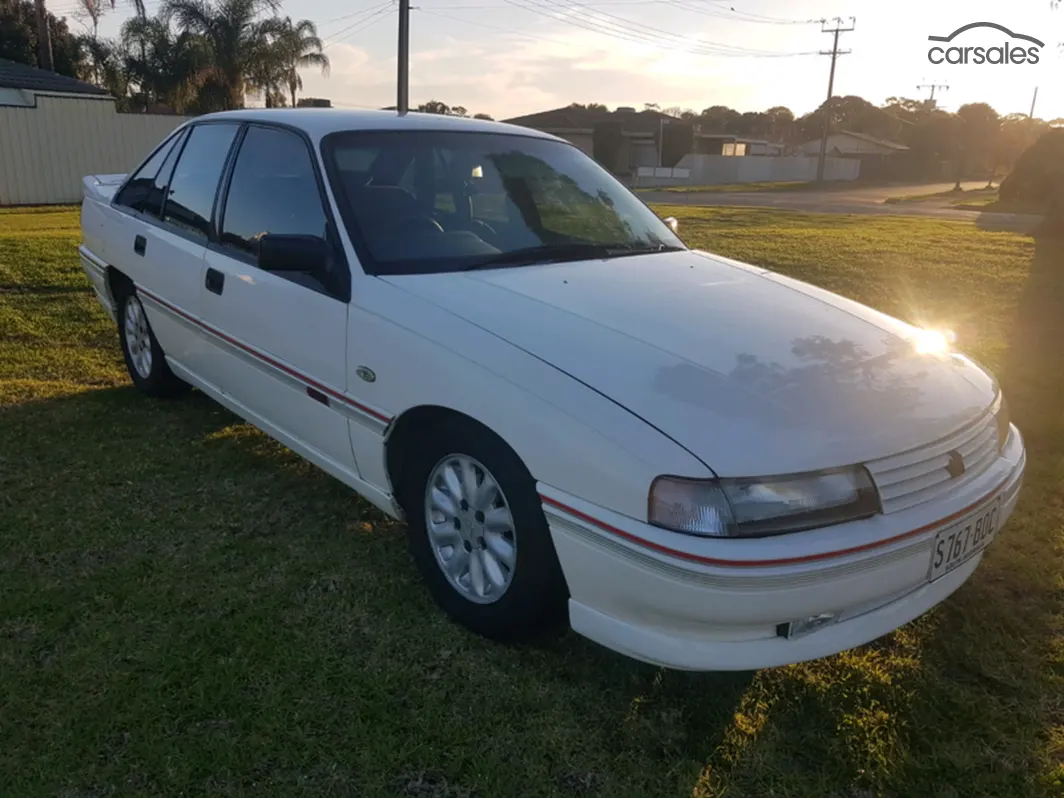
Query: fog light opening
x=806, y=625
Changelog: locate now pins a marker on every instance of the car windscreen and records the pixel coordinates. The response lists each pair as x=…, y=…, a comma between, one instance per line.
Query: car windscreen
x=418, y=201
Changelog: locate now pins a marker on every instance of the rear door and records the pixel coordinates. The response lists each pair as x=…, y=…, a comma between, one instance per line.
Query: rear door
x=163, y=251
x=279, y=346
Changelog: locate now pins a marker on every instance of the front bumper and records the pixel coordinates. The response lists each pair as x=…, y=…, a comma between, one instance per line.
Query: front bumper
x=641, y=591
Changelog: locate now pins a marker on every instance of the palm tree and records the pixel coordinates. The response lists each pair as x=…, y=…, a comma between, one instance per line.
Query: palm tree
x=234, y=36
x=169, y=67
x=298, y=45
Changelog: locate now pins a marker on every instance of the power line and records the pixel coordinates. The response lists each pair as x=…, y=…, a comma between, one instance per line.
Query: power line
x=479, y=24
x=834, y=53
x=602, y=22
x=348, y=16
x=724, y=12
x=370, y=18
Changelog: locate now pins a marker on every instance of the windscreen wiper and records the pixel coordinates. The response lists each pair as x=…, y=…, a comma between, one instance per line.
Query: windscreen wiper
x=573, y=251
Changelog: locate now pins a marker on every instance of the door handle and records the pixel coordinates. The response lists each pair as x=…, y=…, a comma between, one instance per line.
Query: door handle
x=215, y=281
x=139, y=245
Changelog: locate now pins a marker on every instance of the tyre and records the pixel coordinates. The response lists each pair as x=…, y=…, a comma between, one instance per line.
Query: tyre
x=145, y=359
x=478, y=534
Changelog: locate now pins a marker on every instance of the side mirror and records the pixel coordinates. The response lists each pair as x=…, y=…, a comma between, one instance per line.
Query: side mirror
x=283, y=253
x=673, y=224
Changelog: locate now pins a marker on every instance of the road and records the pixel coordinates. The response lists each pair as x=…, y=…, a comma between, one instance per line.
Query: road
x=863, y=199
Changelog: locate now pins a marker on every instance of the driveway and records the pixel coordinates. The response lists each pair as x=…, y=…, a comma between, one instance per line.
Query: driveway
x=859, y=199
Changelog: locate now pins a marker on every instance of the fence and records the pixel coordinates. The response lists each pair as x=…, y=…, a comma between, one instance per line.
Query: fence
x=46, y=149
x=713, y=169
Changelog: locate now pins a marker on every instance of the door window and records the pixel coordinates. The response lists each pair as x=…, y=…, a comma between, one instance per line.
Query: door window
x=195, y=181
x=153, y=204
x=134, y=194
x=273, y=191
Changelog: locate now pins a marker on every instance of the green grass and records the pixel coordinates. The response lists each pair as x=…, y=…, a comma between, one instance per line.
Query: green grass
x=737, y=186
x=764, y=187
x=187, y=608
x=980, y=199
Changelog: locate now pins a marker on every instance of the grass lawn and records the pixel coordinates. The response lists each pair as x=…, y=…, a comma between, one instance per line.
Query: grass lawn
x=980, y=199
x=762, y=187
x=188, y=608
x=737, y=186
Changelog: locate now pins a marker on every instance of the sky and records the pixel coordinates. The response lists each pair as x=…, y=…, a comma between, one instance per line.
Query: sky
x=513, y=57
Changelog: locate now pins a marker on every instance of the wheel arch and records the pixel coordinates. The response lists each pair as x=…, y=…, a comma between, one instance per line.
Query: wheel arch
x=119, y=284
x=402, y=435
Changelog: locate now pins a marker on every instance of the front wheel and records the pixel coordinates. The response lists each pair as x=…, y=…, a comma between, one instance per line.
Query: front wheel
x=478, y=534
x=145, y=359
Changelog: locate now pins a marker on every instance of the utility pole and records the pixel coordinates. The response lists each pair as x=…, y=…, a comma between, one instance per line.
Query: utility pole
x=834, y=53
x=44, y=37
x=932, y=87
x=403, y=90
x=1032, y=103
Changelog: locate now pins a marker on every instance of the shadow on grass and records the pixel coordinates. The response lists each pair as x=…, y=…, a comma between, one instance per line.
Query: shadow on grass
x=191, y=609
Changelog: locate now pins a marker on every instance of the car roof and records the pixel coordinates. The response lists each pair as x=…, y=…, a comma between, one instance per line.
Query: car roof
x=318, y=122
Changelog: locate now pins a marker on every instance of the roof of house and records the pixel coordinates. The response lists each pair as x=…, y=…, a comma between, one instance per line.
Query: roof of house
x=878, y=141
x=27, y=77
x=568, y=118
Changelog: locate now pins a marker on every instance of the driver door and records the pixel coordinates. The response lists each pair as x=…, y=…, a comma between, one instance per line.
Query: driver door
x=279, y=339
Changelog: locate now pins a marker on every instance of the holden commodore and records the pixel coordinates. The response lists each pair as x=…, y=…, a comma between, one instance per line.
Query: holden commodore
x=699, y=463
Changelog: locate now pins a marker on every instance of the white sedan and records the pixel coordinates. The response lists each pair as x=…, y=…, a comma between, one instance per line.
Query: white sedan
x=704, y=464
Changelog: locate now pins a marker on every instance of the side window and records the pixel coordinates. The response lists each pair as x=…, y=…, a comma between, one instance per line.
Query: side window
x=273, y=191
x=135, y=192
x=153, y=204
x=195, y=181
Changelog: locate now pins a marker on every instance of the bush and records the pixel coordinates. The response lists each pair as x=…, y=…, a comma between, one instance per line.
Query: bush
x=1037, y=181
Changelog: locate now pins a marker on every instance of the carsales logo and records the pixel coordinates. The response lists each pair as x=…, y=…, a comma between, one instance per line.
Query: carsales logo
x=1009, y=52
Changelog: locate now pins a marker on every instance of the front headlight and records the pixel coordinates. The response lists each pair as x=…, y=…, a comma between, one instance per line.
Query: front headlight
x=750, y=507
x=1004, y=425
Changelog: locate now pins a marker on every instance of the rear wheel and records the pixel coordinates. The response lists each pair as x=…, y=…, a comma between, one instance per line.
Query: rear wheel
x=145, y=359
x=479, y=536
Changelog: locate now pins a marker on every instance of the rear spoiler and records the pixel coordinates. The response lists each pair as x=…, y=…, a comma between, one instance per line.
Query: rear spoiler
x=101, y=186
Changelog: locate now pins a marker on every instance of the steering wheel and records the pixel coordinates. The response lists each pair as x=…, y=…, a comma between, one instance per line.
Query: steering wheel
x=417, y=225
x=483, y=228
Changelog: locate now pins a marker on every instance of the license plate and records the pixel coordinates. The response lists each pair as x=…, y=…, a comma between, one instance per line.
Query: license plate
x=960, y=541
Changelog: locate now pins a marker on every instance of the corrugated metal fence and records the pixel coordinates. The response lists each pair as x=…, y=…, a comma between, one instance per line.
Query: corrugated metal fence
x=46, y=149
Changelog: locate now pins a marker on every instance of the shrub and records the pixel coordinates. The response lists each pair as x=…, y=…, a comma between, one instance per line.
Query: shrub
x=1037, y=181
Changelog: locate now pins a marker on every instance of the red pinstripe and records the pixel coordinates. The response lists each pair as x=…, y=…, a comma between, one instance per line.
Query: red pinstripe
x=267, y=359
x=768, y=562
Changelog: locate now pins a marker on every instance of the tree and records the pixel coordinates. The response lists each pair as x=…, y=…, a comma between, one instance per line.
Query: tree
x=591, y=107
x=780, y=124
x=91, y=10
x=292, y=46
x=1016, y=134
x=977, y=132
x=434, y=108
x=458, y=111
x=933, y=142
x=107, y=59
x=238, y=43
x=19, y=36
x=1038, y=179
x=44, y=36
x=719, y=120
x=168, y=67
x=852, y=113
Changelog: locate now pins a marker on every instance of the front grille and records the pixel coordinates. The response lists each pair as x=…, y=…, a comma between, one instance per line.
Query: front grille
x=911, y=478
